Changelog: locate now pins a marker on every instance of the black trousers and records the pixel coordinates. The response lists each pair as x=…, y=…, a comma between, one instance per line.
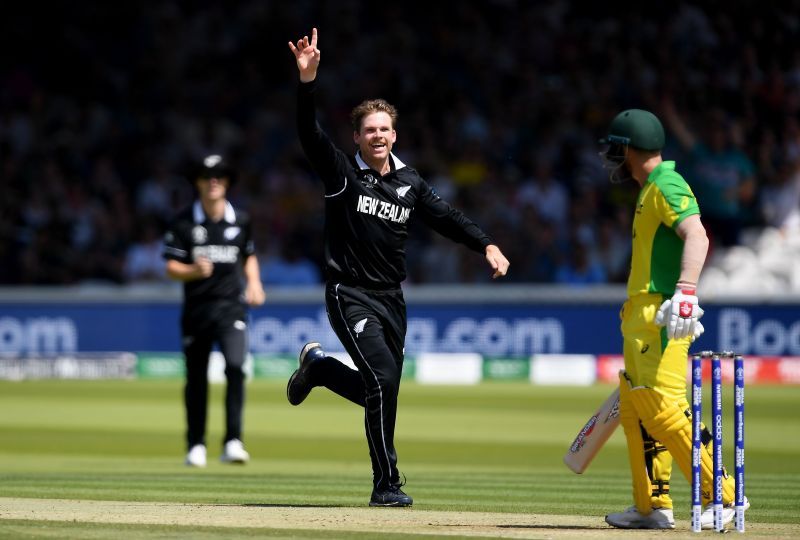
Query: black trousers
x=198, y=339
x=372, y=327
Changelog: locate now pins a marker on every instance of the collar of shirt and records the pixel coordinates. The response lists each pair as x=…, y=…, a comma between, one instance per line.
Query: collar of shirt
x=661, y=167
x=395, y=162
x=200, y=214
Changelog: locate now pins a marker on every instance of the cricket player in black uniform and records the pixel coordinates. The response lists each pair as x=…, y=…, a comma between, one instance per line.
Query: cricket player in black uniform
x=370, y=199
x=209, y=247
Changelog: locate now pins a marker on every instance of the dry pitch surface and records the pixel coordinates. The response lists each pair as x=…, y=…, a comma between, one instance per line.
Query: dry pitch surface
x=408, y=521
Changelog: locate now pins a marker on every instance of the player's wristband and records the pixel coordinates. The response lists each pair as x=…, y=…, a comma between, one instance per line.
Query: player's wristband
x=686, y=287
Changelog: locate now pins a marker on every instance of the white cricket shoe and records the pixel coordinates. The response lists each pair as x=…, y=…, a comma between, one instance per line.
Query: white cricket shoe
x=728, y=513
x=196, y=456
x=234, y=452
x=659, y=518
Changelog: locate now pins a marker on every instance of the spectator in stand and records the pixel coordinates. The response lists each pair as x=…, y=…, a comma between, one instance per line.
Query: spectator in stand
x=290, y=267
x=722, y=175
x=546, y=194
x=162, y=192
x=780, y=199
x=144, y=261
x=471, y=115
x=580, y=268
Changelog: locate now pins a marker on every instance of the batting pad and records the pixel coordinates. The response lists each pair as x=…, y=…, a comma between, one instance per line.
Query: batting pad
x=659, y=467
x=667, y=423
x=633, y=434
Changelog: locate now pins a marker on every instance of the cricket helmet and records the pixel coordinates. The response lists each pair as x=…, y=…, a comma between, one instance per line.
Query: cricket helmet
x=633, y=128
x=214, y=165
x=637, y=128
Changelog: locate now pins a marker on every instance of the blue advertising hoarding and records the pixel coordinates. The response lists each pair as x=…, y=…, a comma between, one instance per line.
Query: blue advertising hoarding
x=492, y=329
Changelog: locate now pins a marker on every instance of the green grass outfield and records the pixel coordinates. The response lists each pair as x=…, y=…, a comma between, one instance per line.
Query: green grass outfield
x=495, y=447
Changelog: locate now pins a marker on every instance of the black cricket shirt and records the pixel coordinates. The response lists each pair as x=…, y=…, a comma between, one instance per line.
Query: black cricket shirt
x=366, y=214
x=226, y=243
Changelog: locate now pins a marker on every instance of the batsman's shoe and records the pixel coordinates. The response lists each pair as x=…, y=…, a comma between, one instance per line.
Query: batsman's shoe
x=391, y=496
x=728, y=513
x=299, y=385
x=196, y=457
x=659, y=518
x=234, y=452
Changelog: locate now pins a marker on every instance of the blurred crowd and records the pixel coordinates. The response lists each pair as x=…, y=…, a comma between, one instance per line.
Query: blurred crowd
x=104, y=107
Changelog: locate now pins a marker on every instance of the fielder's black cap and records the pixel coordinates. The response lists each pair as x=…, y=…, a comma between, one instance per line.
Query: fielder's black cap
x=637, y=128
x=214, y=165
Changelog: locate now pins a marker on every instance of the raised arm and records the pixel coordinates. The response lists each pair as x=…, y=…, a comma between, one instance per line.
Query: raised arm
x=677, y=125
x=307, y=56
x=327, y=160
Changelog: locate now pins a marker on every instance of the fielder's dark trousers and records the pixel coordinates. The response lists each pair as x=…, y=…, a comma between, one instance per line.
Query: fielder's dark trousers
x=372, y=327
x=197, y=344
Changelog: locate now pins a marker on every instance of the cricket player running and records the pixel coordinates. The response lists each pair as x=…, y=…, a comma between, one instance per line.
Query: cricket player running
x=209, y=247
x=370, y=199
x=660, y=319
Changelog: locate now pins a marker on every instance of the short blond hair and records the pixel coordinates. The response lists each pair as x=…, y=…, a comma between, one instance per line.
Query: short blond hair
x=370, y=106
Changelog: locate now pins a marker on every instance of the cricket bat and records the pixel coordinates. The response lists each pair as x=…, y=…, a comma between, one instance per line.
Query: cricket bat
x=594, y=434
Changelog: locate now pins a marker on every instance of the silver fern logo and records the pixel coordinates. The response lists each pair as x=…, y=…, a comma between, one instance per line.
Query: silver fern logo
x=401, y=191
x=199, y=234
x=212, y=161
x=359, y=326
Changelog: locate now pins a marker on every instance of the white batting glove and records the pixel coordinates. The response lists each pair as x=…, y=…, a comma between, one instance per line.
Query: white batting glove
x=698, y=326
x=698, y=329
x=680, y=314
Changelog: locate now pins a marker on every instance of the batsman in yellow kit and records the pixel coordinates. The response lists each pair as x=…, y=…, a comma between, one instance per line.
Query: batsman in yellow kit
x=660, y=319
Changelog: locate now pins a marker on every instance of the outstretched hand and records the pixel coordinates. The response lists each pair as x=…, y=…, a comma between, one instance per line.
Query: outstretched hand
x=307, y=56
x=497, y=261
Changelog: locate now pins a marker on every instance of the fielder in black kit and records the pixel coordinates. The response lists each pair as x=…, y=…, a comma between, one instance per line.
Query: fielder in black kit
x=370, y=199
x=209, y=247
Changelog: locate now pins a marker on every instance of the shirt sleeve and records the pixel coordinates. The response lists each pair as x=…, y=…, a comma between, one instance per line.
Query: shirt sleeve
x=451, y=223
x=325, y=158
x=249, y=244
x=677, y=202
x=176, y=245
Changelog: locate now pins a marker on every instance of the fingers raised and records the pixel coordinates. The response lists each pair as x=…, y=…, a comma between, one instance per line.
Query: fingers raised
x=304, y=43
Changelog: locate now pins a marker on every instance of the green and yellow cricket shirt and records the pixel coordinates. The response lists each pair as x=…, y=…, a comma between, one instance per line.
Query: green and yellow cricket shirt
x=664, y=202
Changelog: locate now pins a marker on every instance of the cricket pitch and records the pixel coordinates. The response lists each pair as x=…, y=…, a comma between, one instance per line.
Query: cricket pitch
x=343, y=519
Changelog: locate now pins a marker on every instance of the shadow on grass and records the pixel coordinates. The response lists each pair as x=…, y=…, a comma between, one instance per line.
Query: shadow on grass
x=287, y=505
x=557, y=527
